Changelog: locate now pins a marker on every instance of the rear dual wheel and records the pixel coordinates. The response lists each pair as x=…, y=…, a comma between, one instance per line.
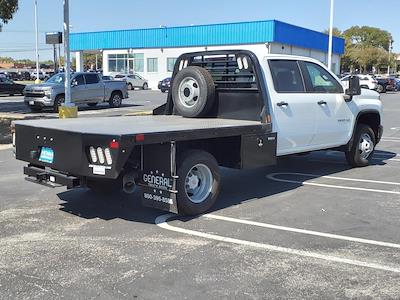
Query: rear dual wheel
x=198, y=182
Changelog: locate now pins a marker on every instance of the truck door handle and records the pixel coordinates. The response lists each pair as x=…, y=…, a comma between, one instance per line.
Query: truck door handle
x=322, y=102
x=282, y=103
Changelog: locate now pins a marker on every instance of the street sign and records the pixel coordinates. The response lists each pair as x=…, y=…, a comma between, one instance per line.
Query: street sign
x=54, y=38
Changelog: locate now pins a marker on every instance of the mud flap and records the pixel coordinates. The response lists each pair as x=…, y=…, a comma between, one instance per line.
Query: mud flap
x=158, y=180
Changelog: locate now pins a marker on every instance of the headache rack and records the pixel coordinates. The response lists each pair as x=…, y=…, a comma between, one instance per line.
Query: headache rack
x=233, y=71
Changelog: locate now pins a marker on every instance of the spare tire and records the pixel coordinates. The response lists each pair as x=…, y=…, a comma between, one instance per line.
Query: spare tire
x=193, y=92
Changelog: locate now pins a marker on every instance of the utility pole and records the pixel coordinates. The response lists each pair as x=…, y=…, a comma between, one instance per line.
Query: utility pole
x=67, y=57
x=37, y=43
x=330, y=46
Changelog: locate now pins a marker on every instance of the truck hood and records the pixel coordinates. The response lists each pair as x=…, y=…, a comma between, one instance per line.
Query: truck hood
x=368, y=94
x=42, y=87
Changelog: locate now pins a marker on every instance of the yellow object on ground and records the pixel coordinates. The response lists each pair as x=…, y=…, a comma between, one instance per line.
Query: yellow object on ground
x=65, y=112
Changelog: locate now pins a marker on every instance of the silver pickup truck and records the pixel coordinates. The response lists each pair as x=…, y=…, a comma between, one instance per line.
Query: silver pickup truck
x=87, y=88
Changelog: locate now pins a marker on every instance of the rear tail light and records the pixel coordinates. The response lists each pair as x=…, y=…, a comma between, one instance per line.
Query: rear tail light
x=100, y=155
x=93, y=155
x=107, y=153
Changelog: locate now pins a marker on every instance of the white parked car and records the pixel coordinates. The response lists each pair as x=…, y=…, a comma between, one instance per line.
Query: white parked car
x=366, y=81
x=133, y=81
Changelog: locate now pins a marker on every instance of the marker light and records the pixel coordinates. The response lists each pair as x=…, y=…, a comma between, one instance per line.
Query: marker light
x=114, y=144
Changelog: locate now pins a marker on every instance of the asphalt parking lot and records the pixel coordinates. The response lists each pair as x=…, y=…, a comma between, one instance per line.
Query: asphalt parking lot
x=308, y=228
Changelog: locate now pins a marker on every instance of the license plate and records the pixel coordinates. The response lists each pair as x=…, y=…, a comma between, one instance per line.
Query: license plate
x=46, y=155
x=31, y=102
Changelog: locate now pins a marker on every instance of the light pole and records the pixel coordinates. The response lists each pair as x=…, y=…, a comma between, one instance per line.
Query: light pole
x=390, y=55
x=37, y=43
x=330, y=36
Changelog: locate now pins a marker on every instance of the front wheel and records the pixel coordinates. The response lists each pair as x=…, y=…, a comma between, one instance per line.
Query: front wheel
x=381, y=89
x=58, y=102
x=198, y=182
x=115, y=100
x=362, y=149
x=145, y=86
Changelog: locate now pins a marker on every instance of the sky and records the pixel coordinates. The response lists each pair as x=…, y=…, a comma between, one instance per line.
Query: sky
x=18, y=38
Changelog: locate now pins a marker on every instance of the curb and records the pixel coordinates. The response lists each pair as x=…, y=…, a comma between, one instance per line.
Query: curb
x=140, y=113
x=5, y=147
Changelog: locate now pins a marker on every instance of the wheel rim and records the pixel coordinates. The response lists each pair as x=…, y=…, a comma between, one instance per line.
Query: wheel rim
x=198, y=183
x=130, y=87
x=189, y=92
x=380, y=88
x=365, y=146
x=116, y=100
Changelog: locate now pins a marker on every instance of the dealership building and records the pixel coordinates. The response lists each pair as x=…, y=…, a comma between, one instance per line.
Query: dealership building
x=152, y=52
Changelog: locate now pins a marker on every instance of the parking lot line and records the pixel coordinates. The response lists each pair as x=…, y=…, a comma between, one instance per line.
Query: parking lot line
x=376, y=156
x=161, y=221
x=390, y=140
x=303, y=231
x=272, y=176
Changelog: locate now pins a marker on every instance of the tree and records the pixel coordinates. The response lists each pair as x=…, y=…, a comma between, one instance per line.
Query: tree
x=366, y=48
x=7, y=10
x=366, y=36
x=336, y=32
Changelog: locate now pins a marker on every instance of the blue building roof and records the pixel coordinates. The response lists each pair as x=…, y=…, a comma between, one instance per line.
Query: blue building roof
x=254, y=32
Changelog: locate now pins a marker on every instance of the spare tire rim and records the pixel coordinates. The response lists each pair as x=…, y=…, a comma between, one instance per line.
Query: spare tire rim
x=198, y=183
x=189, y=92
x=365, y=146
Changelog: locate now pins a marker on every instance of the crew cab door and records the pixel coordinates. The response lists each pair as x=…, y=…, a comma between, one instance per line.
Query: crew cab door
x=333, y=115
x=94, y=87
x=78, y=89
x=294, y=111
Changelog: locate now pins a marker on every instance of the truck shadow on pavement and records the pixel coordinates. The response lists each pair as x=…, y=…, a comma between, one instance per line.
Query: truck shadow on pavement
x=238, y=186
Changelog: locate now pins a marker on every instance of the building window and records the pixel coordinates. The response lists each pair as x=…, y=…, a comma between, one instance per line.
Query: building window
x=117, y=63
x=171, y=63
x=152, y=65
x=138, y=63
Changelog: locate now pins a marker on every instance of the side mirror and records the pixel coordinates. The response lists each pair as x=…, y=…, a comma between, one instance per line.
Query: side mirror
x=354, y=87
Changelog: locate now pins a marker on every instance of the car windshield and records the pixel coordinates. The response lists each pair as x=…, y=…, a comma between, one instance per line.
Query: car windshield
x=120, y=76
x=58, y=78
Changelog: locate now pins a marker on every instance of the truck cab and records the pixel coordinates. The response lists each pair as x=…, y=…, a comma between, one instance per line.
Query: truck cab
x=309, y=106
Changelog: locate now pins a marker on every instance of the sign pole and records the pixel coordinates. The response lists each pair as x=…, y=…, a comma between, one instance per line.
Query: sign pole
x=68, y=109
x=330, y=37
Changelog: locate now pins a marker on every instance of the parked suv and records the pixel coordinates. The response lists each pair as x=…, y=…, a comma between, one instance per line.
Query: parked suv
x=366, y=81
x=133, y=81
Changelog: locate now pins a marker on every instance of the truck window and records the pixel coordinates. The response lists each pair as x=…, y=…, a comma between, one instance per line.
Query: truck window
x=286, y=76
x=320, y=80
x=79, y=80
x=91, y=78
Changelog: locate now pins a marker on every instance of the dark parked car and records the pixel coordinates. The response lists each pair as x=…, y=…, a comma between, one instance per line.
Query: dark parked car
x=385, y=84
x=7, y=86
x=164, y=84
x=24, y=75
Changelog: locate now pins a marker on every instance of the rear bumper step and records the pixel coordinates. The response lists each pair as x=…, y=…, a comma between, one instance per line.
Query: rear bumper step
x=50, y=178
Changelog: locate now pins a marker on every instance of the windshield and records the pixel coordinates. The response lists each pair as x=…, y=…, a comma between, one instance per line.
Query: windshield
x=58, y=78
x=119, y=76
